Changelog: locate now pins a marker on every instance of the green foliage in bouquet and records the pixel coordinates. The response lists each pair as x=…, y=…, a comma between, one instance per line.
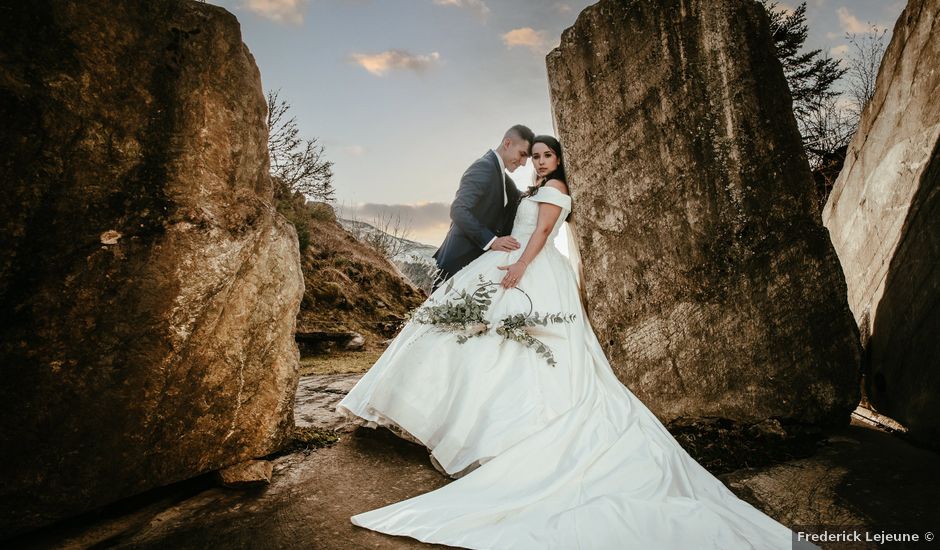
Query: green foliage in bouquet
x=464, y=315
x=514, y=328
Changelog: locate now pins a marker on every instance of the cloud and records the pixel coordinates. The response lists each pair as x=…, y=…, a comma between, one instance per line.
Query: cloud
x=850, y=23
x=561, y=7
x=282, y=11
x=478, y=7
x=527, y=37
x=424, y=222
x=839, y=52
x=381, y=63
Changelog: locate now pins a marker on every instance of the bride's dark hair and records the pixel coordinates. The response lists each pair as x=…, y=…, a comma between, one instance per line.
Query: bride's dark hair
x=556, y=174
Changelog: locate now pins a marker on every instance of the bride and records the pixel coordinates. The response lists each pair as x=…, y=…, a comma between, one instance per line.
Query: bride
x=499, y=374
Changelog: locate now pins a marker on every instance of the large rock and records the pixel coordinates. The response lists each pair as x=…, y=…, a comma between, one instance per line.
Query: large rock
x=710, y=281
x=149, y=290
x=884, y=217
x=248, y=474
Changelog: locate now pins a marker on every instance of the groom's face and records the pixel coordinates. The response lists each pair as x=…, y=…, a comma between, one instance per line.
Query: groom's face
x=517, y=151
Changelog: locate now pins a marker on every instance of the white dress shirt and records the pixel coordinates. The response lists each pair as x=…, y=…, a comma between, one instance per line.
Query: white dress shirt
x=502, y=170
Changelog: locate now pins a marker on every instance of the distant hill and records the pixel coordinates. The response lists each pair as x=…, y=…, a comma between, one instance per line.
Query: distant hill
x=408, y=247
x=349, y=285
x=412, y=258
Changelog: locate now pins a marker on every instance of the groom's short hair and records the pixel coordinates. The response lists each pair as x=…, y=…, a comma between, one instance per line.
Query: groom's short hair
x=521, y=132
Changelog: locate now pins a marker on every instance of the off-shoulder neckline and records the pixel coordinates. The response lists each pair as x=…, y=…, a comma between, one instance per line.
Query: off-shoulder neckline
x=559, y=191
x=561, y=199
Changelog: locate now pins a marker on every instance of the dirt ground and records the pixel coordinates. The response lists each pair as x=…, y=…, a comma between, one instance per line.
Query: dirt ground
x=860, y=477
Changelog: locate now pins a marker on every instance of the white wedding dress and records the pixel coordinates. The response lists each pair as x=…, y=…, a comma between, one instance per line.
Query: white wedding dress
x=560, y=456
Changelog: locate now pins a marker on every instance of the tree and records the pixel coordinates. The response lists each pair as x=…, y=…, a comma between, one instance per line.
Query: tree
x=864, y=62
x=810, y=76
x=297, y=162
x=392, y=236
x=828, y=128
x=386, y=233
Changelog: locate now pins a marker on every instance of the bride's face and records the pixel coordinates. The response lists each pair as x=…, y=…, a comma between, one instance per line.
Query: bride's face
x=543, y=159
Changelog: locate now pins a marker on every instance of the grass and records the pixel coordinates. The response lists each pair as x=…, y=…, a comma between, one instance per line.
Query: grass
x=340, y=362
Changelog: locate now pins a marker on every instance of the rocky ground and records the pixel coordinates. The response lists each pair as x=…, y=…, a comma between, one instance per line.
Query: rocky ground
x=858, y=477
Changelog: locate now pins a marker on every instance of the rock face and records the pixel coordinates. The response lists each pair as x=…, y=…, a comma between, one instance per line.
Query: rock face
x=884, y=217
x=317, y=397
x=149, y=290
x=252, y=473
x=710, y=281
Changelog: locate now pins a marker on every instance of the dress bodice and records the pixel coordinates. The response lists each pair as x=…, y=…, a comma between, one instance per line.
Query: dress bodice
x=527, y=214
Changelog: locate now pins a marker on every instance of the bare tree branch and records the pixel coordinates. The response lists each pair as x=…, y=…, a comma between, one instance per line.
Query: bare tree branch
x=297, y=162
x=867, y=52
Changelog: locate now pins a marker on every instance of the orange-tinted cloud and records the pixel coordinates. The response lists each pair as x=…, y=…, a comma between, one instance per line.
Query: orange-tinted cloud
x=381, y=63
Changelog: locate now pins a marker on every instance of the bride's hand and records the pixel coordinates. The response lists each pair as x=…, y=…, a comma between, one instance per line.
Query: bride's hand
x=513, y=273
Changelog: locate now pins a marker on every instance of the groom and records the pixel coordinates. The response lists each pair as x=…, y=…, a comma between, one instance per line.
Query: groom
x=483, y=210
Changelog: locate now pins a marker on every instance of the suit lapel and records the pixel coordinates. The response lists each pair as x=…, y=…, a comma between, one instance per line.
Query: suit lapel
x=493, y=159
x=499, y=179
x=512, y=193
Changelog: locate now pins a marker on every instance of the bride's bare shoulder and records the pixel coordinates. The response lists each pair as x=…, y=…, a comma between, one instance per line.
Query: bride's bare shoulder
x=557, y=184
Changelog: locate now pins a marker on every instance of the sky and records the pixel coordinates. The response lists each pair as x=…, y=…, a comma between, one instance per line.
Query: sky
x=405, y=94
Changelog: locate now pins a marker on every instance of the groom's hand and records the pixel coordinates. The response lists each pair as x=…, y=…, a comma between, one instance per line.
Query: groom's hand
x=505, y=244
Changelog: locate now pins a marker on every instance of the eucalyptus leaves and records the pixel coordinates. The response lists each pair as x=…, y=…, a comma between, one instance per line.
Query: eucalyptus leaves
x=464, y=315
x=515, y=328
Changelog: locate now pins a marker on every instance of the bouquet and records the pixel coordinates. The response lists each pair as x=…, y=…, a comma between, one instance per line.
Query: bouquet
x=465, y=316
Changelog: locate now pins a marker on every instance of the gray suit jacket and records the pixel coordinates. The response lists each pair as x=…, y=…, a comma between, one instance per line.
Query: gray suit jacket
x=477, y=214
